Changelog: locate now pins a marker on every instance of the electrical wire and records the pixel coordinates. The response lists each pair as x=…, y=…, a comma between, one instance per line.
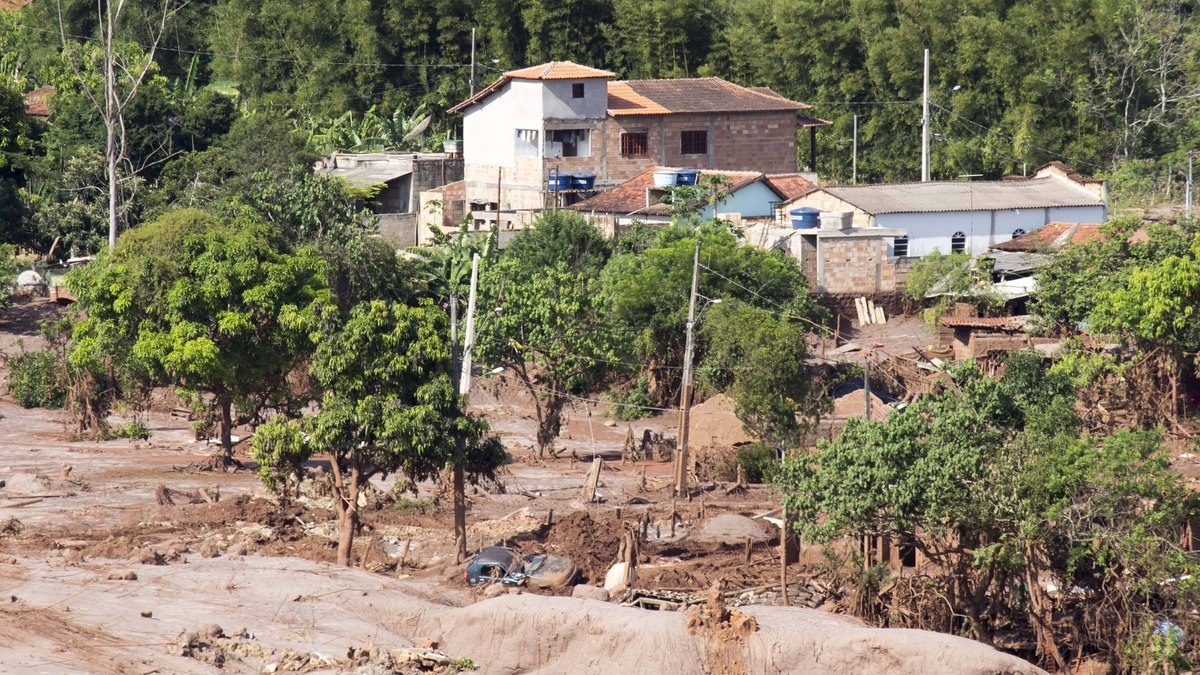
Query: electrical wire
x=993, y=130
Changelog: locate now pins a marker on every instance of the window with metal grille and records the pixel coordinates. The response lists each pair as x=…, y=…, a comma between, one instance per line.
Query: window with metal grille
x=635, y=143
x=577, y=90
x=900, y=247
x=958, y=242
x=693, y=142
x=1018, y=233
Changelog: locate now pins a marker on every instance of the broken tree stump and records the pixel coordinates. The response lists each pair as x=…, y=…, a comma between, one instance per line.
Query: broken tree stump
x=593, y=481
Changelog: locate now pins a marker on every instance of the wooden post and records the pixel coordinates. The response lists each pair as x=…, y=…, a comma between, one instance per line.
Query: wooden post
x=550, y=518
x=749, y=548
x=593, y=481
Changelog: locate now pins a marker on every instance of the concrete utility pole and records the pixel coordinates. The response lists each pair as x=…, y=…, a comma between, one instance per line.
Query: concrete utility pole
x=867, y=388
x=1187, y=198
x=925, y=123
x=464, y=385
x=854, y=170
x=472, y=60
x=685, y=391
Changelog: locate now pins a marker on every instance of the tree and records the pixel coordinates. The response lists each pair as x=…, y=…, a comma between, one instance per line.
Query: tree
x=388, y=406
x=544, y=315
x=214, y=309
x=123, y=75
x=993, y=484
x=649, y=292
x=759, y=359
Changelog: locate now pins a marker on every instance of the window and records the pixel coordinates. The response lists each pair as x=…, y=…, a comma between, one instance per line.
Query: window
x=527, y=143
x=1018, y=233
x=577, y=90
x=693, y=142
x=634, y=143
x=900, y=247
x=568, y=143
x=958, y=243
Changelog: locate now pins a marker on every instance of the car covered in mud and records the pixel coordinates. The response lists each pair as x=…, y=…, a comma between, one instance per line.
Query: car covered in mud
x=504, y=565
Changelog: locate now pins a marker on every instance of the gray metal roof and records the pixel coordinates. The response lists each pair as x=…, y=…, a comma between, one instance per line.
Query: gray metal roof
x=1008, y=262
x=942, y=196
x=362, y=176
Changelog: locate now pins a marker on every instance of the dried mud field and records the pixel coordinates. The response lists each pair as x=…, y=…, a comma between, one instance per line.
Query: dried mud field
x=123, y=557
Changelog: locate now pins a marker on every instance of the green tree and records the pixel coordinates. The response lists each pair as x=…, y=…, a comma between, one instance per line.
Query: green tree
x=544, y=315
x=388, y=406
x=217, y=310
x=16, y=146
x=759, y=359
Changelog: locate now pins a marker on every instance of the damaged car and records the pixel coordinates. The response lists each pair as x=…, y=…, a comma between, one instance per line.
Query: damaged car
x=504, y=565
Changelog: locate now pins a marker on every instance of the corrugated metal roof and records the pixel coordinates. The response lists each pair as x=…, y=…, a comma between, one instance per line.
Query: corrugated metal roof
x=1015, y=262
x=943, y=196
x=993, y=322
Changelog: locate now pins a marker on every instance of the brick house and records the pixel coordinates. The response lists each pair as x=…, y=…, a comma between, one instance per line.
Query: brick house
x=561, y=117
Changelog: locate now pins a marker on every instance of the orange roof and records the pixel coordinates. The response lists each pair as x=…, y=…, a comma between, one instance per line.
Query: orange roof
x=1052, y=236
x=555, y=70
x=630, y=196
x=694, y=95
x=35, y=102
x=789, y=185
x=558, y=70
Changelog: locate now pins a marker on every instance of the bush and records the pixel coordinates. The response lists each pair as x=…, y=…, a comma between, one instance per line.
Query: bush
x=760, y=463
x=632, y=403
x=133, y=430
x=35, y=381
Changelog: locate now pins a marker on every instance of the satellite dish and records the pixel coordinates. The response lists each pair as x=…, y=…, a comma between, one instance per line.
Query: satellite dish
x=418, y=130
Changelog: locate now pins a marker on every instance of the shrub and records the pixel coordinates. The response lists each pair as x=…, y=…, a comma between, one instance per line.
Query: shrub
x=760, y=463
x=632, y=403
x=133, y=430
x=35, y=381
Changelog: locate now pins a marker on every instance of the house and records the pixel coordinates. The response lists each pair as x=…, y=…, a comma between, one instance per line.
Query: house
x=973, y=337
x=743, y=194
x=563, y=118
x=964, y=217
x=401, y=178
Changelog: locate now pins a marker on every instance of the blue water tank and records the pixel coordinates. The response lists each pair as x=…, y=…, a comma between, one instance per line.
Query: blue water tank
x=582, y=180
x=805, y=218
x=688, y=177
x=559, y=181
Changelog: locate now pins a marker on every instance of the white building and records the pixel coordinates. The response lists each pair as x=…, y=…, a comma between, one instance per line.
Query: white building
x=964, y=216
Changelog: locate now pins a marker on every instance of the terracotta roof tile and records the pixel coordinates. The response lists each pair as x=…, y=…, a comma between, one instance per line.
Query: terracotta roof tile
x=558, y=70
x=696, y=95
x=789, y=185
x=1052, y=236
x=35, y=102
x=630, y=196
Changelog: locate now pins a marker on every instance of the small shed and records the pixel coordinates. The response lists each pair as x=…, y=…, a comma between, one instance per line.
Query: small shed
x=973, y=336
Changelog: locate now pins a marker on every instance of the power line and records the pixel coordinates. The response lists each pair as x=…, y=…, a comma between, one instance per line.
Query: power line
x=993, y=130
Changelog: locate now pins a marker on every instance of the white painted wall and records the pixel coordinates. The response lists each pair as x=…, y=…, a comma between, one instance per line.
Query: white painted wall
x=557, y=103
x=490, y=128
x=753, y=200
x=930, y=231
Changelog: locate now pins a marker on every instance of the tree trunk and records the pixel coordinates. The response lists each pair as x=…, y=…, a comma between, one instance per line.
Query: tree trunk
x=111, y=114
x=345, y=497
x=550, y=423
x=1042, y=616
x=460, y=508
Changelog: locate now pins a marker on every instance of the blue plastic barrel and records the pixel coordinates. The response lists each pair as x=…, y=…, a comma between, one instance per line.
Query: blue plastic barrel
x=805, y=218
x=559, y=181
x=688, y=177
x=582, y=180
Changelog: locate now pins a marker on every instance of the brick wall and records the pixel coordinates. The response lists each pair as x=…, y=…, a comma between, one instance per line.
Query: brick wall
x=859, y=265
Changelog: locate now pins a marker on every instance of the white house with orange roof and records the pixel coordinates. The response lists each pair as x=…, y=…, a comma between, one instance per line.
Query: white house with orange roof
x=531, y=126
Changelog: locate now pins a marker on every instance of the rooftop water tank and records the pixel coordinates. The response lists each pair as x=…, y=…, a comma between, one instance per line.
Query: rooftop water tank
x=688, y=177
x=583, y=180
x=559, y=181
x=804, y=218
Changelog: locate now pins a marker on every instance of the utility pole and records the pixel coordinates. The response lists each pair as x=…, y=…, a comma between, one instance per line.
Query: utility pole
x=1187, y=199
x=472, y=60
x=925, y=124
x=685, y=391
x=464, y=385
x=854, y=170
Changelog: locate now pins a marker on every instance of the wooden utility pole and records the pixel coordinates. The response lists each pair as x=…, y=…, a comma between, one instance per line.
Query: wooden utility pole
x=464, y=385
x=685, y=391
